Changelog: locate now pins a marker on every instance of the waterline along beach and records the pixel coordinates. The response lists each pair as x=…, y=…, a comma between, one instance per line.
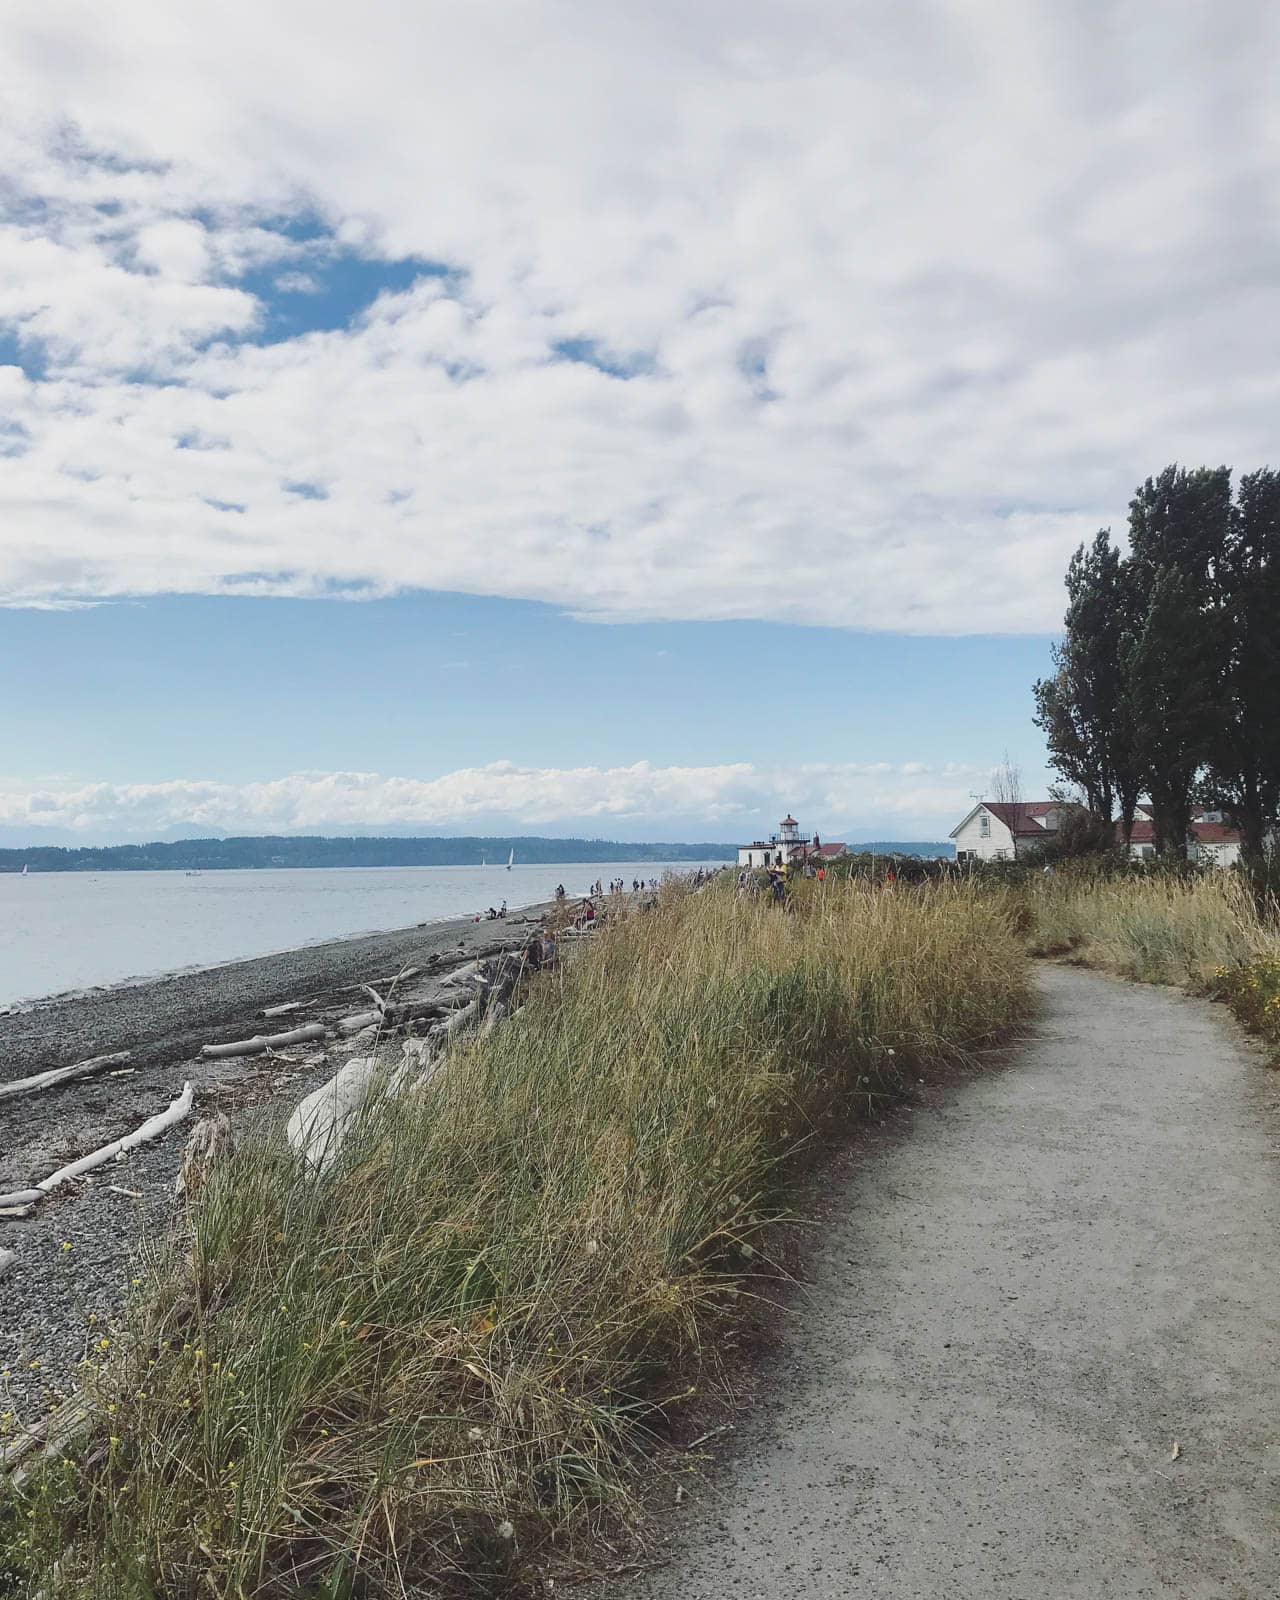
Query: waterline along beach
x=81, y=930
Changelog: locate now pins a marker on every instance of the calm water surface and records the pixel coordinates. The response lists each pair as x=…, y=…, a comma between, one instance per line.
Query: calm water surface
x=73, y=930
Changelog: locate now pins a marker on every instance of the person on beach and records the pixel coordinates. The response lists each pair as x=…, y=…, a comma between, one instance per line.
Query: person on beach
x=559, y=891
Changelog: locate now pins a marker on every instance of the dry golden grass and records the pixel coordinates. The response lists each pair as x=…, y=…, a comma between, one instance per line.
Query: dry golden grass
x=437, y=1362
x=1156, y=929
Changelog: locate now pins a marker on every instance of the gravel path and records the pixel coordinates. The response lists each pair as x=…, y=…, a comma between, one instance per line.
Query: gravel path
x=1020, y=1304
x=54, y=1298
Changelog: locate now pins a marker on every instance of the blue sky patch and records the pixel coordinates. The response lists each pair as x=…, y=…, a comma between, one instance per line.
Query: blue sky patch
x=316, y=292
x=590, y=354
x=28, y=354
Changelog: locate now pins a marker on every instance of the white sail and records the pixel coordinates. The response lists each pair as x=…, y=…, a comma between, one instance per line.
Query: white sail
x=511, y=860
x=24, y=869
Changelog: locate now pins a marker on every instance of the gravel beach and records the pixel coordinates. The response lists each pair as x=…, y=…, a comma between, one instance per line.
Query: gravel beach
x=73, y=1254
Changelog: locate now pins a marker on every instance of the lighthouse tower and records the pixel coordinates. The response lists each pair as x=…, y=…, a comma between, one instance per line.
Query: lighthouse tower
x=779, y=850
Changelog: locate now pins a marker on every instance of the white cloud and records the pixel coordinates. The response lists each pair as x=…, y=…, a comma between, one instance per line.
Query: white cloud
x=912, y=295
x=637, y=801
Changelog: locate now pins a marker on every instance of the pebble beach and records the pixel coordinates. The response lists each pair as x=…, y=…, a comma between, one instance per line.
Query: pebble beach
x=71, y=1265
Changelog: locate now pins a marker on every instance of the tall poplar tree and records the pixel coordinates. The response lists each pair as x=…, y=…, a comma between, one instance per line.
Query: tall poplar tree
x=1081, y=708
x=1179, y=534
x=1244, y=763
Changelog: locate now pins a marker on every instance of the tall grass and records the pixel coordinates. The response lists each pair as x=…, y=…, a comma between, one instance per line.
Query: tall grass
x=1155, y=929
x=438, y=1363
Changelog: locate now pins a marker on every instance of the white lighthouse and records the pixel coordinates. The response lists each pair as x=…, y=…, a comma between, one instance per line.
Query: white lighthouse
x=780, y=849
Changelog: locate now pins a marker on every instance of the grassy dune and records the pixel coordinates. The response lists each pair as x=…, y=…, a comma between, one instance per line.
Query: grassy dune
x=1201, y=933
x=1154, y=929
x=442, y=1362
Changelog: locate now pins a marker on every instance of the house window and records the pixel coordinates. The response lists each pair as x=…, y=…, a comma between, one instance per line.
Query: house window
x=984, y=825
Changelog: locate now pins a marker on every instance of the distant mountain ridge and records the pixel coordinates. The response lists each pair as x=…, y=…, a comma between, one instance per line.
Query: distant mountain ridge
x=928, y=848
x=257, y=851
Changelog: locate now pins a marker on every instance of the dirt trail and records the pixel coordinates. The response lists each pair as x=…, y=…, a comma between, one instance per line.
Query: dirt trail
x=1019, y=1306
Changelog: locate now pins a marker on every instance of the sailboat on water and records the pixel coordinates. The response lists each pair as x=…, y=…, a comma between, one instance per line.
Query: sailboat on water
x=511, y=860
x=23, y=873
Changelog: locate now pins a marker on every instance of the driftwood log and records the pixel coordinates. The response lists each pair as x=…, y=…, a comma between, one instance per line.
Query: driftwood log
x=322, y=1121
x=358, y=1022
x=261, y=1042
x=49, y=1435
x=282, y=1010
x=479, y=994
x=46, y=1080
x=150, y=1129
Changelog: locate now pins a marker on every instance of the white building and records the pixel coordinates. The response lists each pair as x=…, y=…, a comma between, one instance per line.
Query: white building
x=786, y=848
x=1000, y=830
x=997, y=830
x=1211, y=842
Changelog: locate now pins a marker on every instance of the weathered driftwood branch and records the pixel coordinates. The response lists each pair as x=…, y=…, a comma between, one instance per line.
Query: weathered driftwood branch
x=54, y=1431
x=358, y=1022
x=150, y=1129
x=46, y=1080
x=481, y=994
x=322, y=1121
x=261, y=1042
x=283, y=1009
x=402, y=976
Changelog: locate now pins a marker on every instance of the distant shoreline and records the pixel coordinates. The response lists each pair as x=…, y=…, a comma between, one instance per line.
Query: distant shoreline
x=266, y=851
x=304, y=852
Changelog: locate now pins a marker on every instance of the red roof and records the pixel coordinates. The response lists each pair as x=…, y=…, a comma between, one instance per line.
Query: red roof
x=830, y=850
x=788, y=821
x=1215, y=833
x=1144, y=832
x=1019, y=817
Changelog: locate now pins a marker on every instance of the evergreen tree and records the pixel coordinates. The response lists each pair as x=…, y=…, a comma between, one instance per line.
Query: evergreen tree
x=1176, y=657
x=1082, y=708
x=1170, y=667
x=1244, y=764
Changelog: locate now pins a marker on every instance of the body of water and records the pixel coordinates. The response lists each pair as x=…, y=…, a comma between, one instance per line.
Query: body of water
x=75, y=930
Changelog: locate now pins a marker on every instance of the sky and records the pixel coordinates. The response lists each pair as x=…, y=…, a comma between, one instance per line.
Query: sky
x=594, y=418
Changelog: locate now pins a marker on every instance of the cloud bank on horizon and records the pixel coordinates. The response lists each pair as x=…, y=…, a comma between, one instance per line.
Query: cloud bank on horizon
x=642, y=801
x=848, y=314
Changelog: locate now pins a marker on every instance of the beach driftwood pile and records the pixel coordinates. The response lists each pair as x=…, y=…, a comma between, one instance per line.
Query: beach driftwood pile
x=473, y=999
